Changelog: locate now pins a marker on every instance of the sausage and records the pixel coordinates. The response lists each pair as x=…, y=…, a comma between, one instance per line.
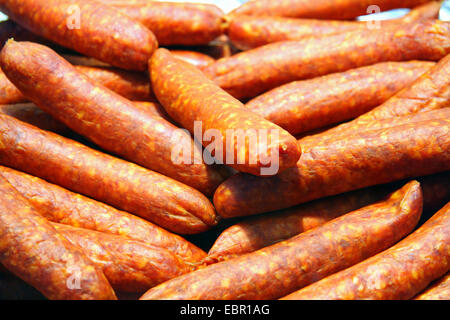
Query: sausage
x=252, y=72
x=62, y=206
x=188, y=96
x=438, y=291
x=89, y=27
x=256, y=233
x=274, y=271
x=398, y=273
x=302, y=106
x=247, y=32
x=364, y=159
x=320, y=9
x=129, y=265
x=107, y=119
x=176, y=23
x=124, y=185
x=34, y=251
x=431, y=91
x=198, y=59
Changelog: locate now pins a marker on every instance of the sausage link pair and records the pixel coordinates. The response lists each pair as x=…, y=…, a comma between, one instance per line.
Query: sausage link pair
x=360, y=160
x=34, y=251
x=306, y=105
x=438, y=291
x=62, y=206
x=397, y=273
x=176, y=23
x=274, y=271
x=119, y=183
x=256, y=233
x=188, y=96
x=431, y=91
x=129, y=265
x=320, y=9
x=248, y=32
x=88, y=27
x=252, y=72
x=109, y=120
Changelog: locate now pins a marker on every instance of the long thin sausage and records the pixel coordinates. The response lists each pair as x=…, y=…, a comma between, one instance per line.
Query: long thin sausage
x=89, y=27
x=109, y=120
x=121, y=184
x=364, y=159
x=129, y=265
x=252, y=72
x=302, y=106
x=438, y=291
x=320, y=9
x=62, y=206
x=34, y=251
x=398, y=273
x=274, y=271
x=188, y=96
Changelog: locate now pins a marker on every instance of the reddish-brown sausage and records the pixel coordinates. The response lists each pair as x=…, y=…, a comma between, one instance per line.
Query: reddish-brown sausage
x=188, y=96
x=397, y=273
x=89, y=27
x=32, y=249
x=438, y=291
x=357, y=161
x=121, y=184
x=198, y=59
x=274, y=271
x=321, y=9
x=62, y=206
x=129, y=265
x=107, y=119
x=306, y=105
x=176, y=23
x=256, y=233
x=252, y=72
x=247, y=32
x=431, y=91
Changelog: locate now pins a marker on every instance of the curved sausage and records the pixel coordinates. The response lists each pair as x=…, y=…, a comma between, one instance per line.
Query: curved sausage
x=274, y=271
x=302, y=106
x=396, y=274
x=62, y=206
x=129, y=265
x=438, y=291
x=320, y=9
x=88, y=27
x=188, y=96
x=247, y=32
x=252, y=72
x=124, y=185
x=360, y=160
x=176, y=23
x=109, y=120
x=198, y=59
x=259, y=232
x=32, y=249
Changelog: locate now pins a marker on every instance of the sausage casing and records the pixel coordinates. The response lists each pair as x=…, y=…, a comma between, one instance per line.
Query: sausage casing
x=438, y=291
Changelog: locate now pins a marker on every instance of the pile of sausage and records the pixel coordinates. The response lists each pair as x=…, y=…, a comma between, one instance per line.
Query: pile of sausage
x=93, y=204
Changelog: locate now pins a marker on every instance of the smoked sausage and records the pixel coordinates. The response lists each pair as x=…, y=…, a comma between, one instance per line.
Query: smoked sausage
x=253, y=72
x=107, y=119
x=34, y=251
x=89, y=27
x=272, y=272
x=190, y=98
x=438, y=291
x=398, y=273
x=62, y=206
x=124, y=185
x=129, y=265
x=320, y=9
x=360, y=160
x=198, y=59
x=302, y=106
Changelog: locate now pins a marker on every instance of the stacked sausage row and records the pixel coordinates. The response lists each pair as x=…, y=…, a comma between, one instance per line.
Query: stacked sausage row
x=93, y=193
